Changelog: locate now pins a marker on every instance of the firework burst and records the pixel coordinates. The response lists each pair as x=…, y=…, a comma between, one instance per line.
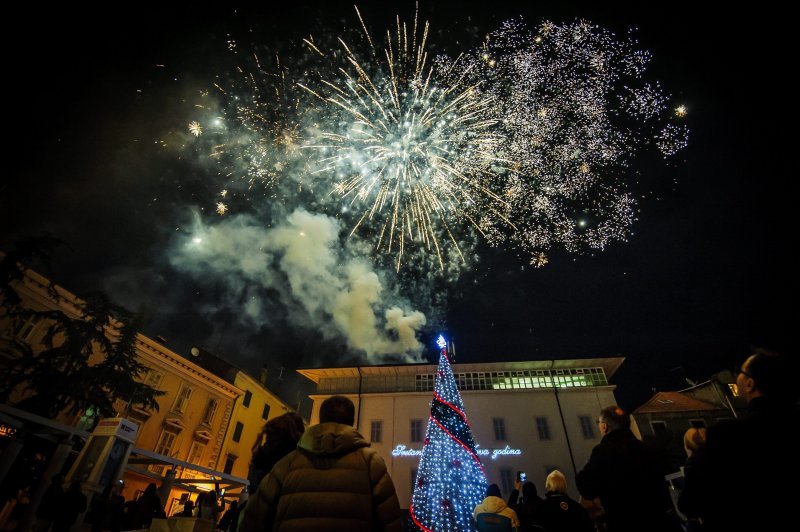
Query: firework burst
x=409, y=146
x=526, y=142
x=250, y=124
x=577, y=112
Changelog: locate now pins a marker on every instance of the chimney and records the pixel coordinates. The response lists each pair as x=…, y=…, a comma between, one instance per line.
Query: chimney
x=262, y=378
x=161, y=340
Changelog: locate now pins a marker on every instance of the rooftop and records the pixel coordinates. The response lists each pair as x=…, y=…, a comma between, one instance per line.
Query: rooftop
x=609, y=365
x=673, y=402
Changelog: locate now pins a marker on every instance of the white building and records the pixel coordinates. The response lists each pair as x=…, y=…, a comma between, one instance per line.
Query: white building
x=525, y=416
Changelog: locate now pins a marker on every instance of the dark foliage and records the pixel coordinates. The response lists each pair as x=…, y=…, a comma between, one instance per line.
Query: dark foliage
x=55, y=372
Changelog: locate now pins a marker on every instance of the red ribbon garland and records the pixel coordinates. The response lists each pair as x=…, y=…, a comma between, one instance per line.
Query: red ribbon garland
x=453, y=407
x=470, y=451
x=416, y=521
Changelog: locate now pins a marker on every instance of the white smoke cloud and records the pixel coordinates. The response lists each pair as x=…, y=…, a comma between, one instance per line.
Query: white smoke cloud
x=321, y=284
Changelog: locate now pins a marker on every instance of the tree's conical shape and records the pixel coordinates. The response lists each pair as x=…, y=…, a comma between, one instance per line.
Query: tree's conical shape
x=450, y=480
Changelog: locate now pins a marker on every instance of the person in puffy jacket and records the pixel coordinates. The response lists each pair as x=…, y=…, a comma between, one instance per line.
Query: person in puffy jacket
x=333, y=481
x=494, y=504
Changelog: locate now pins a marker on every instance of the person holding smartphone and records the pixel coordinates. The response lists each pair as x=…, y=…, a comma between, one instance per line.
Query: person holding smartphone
x=524, y=506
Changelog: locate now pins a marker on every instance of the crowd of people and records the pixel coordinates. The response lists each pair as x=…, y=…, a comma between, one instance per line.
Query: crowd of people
x=737, y=469
x=732, y=475
x=328, y=478
x=59, y=509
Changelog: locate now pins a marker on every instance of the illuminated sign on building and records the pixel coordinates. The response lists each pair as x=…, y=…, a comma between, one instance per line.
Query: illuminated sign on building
x=405, y=451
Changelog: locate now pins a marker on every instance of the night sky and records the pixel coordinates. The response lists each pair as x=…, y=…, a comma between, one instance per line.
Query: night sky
x=705, y=274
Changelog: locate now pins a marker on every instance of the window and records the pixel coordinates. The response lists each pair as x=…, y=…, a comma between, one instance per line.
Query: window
x=164, y=446
x=543, y=428
x=416, y=430
x=183, y=399
x=659, y=427
x=499, y=428
x=153, y=379
x=237, y=432
x=165, y=442
x=587, y=426
x=196, y=452
x=265, y=412
x=211, y=409
x=423, y=383
x=413, y=479
x=22, y=327
x=697, y=423
x=507, y=481
x=229, y=461
x=525, y=379
x=375, y=430
x=248, y=396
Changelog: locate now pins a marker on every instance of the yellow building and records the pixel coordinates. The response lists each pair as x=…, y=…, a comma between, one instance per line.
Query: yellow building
x=251, y=412
x=191, y=425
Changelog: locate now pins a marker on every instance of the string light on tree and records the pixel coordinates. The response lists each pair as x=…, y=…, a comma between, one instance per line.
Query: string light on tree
x=450, y=480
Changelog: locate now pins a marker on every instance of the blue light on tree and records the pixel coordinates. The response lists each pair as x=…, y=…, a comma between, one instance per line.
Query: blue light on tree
x=441, y=342
x=450, y=480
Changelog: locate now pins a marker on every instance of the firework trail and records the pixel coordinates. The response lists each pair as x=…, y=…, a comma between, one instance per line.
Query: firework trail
x=527, y=142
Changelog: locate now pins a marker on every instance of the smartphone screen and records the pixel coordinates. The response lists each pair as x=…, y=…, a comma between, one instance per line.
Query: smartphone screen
x=522, y=477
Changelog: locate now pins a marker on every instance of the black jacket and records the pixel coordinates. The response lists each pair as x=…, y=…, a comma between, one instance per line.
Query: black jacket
x=627, y=479
x=559, y=513
x=525, y=509
x=735, y=482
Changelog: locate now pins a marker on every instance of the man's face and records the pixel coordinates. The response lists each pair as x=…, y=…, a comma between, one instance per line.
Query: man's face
x=602, y=426
x=745, y=382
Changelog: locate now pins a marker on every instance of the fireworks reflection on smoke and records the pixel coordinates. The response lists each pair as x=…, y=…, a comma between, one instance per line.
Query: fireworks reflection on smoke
x=526, y=142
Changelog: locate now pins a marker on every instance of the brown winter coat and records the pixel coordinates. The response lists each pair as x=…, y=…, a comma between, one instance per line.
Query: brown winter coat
x=332, y=482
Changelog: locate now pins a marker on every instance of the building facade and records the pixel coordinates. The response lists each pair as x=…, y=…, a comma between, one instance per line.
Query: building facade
x=673, y=413
x=189, y=428
x=666, y=416
x=255, y=407
x=190, y=425
x=525, y=416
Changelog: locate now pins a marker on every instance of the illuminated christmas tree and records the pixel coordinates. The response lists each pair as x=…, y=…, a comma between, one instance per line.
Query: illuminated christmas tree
x=450, y=479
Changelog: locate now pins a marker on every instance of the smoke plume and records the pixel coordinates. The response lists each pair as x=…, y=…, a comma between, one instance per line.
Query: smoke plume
x=321, y=284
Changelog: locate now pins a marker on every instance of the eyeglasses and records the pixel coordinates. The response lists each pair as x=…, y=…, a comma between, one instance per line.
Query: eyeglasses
x=599, y=421
x=738, y=370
